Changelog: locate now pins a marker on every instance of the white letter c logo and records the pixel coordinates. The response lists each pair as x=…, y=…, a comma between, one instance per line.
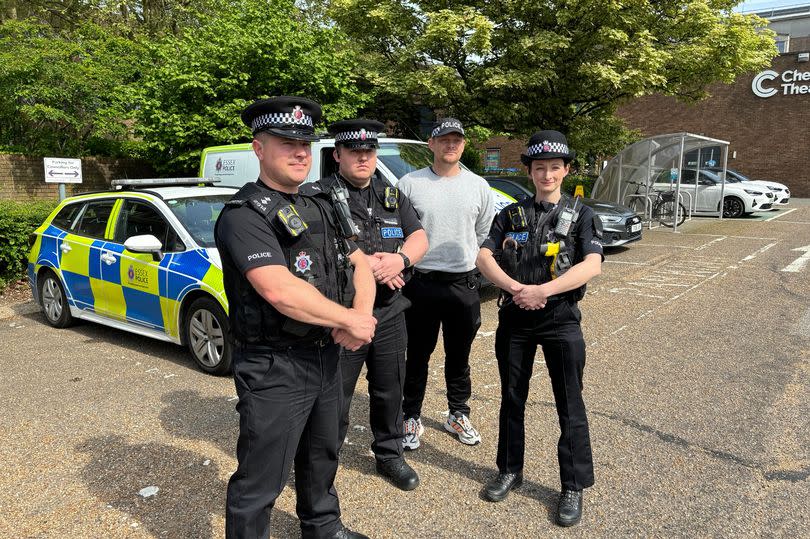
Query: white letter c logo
x=756, y=84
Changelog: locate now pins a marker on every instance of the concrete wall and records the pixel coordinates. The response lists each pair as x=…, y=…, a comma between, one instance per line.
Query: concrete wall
x=22, y=178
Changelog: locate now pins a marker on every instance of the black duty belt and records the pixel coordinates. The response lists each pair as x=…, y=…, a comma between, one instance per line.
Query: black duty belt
x=443, y=276
x=323, y=342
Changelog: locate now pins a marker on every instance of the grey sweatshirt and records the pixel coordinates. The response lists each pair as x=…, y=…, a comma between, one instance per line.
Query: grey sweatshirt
x=456, y=213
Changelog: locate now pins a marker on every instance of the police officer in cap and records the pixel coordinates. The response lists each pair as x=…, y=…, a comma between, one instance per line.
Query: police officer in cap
x=388, y=231
x=288, y=277
x=541, y=251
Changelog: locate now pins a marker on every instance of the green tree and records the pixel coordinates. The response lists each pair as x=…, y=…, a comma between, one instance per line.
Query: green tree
x=65, y=93
x=246, y=50
x=564, y=64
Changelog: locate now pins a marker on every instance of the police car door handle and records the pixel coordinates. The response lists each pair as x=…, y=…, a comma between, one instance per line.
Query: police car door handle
x=65, y=248
x=108, y=258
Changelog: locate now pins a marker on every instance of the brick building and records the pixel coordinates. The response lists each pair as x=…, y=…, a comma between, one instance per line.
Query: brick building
x=765, y=120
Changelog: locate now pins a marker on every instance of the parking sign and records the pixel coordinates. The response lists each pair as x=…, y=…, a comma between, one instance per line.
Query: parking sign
x=63, y=170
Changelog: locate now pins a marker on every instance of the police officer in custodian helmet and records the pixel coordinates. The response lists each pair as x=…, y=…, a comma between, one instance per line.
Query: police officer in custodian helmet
x=297, y=291
x=388, y=231
x=541, y=251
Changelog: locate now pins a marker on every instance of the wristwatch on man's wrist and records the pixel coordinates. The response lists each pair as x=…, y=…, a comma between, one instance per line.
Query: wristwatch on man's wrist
x=405, y=259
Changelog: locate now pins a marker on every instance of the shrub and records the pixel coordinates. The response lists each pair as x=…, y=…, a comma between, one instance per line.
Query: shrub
x=17, y=222
x=572, y=180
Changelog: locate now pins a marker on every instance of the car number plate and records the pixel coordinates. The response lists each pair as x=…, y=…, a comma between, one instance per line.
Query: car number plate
x=635, y=228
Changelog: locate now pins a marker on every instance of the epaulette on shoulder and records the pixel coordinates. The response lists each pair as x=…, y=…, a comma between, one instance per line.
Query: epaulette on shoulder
x=263, y=203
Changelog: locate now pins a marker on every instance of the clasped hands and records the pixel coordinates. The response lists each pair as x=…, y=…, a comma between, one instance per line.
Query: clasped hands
x=387, y=269
x=529, y=296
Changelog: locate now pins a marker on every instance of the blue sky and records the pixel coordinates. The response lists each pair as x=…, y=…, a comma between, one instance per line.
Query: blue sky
x=756, y=5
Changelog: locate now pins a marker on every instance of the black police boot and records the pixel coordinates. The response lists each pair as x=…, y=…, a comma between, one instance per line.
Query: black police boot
x=569, y=508
x=345, y=533
x=399, y=472
x=497, y=489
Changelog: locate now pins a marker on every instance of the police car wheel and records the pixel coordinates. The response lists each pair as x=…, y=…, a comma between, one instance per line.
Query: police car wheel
x=206, y=326
x=53, y=300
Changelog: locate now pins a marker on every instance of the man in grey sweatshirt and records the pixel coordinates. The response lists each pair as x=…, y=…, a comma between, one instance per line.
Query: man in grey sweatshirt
x=456, y=208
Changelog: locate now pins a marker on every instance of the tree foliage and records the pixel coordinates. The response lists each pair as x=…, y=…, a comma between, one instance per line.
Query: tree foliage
x=203, y=79
x=65, y=93
x=517, y=66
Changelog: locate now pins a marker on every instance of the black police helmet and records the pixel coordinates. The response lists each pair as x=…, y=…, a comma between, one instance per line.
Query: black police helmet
x=284, y=116
x=548, y=144
x=359, y=133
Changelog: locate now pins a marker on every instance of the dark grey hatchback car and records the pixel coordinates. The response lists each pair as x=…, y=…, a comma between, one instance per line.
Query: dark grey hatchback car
x=621, y=225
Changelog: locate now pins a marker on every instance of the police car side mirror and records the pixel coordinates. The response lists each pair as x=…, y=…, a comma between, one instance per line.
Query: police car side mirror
x=146, y=243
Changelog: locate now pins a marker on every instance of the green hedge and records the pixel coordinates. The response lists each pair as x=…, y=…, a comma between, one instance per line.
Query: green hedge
x=572, y=180
x=17, y=222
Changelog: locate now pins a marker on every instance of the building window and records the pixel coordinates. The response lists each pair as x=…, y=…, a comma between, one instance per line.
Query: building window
x=492, y=161
x=783, y=43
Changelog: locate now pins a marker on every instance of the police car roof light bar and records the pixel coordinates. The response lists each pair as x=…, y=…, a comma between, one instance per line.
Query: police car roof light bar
x=160, y=182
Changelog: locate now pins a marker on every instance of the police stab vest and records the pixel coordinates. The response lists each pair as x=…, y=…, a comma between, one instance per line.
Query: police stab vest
x=312, y=252
x=533, y=252
x=380, y=225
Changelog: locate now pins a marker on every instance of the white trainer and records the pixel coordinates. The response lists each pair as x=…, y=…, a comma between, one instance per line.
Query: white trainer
x=460, y=425
x=413, y=430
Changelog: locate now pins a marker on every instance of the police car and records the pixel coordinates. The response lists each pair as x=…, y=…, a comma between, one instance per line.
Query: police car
x=236, y=164
x=140, y=258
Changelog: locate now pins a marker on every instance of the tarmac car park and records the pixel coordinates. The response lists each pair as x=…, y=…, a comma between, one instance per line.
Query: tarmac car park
x=140, y=258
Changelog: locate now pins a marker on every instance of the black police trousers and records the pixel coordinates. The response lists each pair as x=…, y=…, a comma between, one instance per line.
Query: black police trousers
x=289, y=406
x=385, y=363
x=456, y=307
x=557, y=330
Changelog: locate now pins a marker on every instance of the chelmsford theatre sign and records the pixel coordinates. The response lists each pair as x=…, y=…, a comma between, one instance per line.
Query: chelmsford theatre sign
x=769, y=83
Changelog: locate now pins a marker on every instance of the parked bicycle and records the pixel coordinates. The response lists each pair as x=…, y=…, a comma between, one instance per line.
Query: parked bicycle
x=663, y=205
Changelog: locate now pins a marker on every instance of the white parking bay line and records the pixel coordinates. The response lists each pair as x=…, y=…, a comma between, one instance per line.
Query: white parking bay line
x=758, y=252
x=780, y=214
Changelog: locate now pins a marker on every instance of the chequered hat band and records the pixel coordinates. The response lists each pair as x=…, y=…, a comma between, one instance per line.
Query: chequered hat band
x=547, y=147
x=355, y=136
x=277, y=119
x=445, y=125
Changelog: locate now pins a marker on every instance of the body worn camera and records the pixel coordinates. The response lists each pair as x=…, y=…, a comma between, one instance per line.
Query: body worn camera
x=340, y=200
x=517, y=218
x=391, y=198
x=293, y=222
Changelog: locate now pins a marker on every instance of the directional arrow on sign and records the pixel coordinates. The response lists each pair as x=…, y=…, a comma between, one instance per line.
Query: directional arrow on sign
x=798, y=265
x=54, y=173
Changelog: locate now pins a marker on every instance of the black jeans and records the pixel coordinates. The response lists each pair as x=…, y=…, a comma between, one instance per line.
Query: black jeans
x=385, y=362
x=289, y=406
x=556, y=329
x=456, y=307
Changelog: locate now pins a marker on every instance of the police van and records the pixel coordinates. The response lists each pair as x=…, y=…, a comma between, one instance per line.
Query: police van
x=236, y=164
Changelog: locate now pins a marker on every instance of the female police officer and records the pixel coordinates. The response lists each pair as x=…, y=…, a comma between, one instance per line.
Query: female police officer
x=285, y=271
x=541, y=252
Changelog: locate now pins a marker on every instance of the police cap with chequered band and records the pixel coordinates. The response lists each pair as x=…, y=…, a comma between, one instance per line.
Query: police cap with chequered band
x=359, y=133
x=284, y=116
x=445, y=126
x=547, y=144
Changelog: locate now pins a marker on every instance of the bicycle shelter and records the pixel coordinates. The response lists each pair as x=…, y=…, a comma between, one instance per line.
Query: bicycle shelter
x=644, y=170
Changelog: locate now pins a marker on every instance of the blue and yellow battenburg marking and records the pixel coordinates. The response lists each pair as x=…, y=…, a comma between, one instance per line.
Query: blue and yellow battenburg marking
x=102, y=277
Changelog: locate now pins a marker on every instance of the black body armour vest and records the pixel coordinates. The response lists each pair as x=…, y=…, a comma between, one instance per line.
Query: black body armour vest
x=526, y=259
x=315, y=255
x=380, y=229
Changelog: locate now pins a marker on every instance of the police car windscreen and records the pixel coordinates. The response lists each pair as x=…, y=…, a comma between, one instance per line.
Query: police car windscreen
x=198, y=215
x=402, y=158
